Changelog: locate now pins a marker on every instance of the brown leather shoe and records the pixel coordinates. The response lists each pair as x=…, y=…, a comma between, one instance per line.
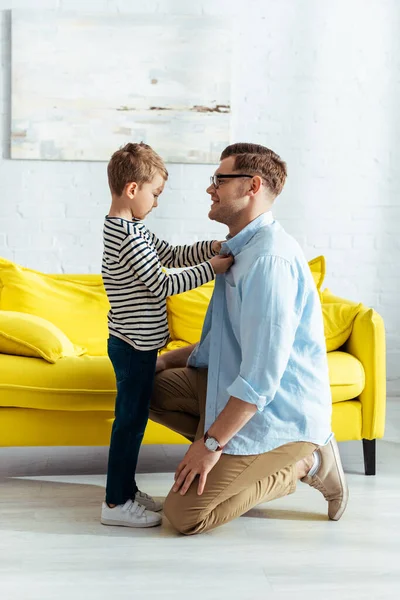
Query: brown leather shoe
x=330, y=480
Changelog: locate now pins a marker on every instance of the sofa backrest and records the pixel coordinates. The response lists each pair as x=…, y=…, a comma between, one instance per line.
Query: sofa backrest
x=89, y=278
x=76, y=304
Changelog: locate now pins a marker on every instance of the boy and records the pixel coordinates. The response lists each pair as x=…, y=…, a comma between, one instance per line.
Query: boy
x=137, y=288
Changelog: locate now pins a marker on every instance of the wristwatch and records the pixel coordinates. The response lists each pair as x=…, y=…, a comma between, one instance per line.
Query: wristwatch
x=211, y=443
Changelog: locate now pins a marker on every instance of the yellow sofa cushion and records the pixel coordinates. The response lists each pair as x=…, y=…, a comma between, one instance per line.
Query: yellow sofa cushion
x=346, y=373
x=87, y=383
x=346, y=376
x=327, y=297
x=78, y=308
x=186, y=313
x=318, y=268
x=22, y=334
x=173, y=345
x=74, y=383
x=338, y=323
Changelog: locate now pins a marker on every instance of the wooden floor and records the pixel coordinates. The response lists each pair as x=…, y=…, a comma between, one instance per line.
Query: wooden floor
x=52, y=546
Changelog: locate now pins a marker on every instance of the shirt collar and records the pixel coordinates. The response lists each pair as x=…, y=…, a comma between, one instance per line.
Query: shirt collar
x=237, y=242
x=133, y=220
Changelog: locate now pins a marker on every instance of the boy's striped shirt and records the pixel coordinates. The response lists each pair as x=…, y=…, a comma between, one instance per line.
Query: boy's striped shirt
x=137, y=286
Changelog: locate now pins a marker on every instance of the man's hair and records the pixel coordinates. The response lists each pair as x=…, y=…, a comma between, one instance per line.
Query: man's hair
x=259, y=160
x=134, y=162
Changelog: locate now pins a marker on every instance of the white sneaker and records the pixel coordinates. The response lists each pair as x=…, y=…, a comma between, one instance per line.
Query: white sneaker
x=130, y=514
x=148, y=501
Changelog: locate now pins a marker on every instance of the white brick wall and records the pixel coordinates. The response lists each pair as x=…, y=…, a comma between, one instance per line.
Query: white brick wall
x=318, y=82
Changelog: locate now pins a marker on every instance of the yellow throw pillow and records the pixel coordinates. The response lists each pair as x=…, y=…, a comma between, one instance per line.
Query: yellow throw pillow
x=338, y=323
x=78, y=308
x=317, y=267
x=327, y=297
x=173, y=345
x=27, y=335
x=187, y=311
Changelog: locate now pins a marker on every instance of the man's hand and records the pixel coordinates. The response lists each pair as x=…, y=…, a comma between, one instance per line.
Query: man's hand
x=197, y=461
x=174, y=359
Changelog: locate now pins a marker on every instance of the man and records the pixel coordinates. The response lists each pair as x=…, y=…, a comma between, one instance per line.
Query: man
x=253, y=396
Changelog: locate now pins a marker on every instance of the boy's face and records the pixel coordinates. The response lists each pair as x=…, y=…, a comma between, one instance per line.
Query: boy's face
x=145, y=197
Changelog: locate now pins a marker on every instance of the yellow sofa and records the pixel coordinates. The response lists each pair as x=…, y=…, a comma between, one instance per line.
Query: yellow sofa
x=57, y=385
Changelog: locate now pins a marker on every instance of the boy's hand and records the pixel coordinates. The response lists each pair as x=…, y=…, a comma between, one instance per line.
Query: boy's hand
x=216, y=247
x=221, y=263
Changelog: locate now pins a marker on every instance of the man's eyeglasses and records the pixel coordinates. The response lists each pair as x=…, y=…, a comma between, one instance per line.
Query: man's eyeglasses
x=215, y=179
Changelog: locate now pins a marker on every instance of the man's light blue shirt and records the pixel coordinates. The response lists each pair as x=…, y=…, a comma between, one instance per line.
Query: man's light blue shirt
x=263, y=342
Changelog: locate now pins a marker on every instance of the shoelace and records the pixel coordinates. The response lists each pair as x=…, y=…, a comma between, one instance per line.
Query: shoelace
x=134, y=507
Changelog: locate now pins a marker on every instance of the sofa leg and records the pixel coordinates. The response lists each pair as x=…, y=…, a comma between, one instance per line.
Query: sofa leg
x=369, y=449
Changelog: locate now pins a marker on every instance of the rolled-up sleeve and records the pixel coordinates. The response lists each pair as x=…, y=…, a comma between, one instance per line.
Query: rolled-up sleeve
x=271, y=304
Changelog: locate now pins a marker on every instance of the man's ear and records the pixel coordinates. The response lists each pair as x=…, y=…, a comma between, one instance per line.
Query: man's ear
x=131, y=189
x=256, y=184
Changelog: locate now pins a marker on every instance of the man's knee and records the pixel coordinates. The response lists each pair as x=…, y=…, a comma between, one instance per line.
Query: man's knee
x=174, y=390
x=160, y=401
x=184, y=518
x=157, y=396
x=165, y=391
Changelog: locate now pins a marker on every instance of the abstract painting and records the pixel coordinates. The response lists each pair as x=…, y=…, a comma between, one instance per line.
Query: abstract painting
x=85, y=85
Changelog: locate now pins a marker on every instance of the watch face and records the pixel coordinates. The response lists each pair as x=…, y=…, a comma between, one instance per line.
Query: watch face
x=212, y=444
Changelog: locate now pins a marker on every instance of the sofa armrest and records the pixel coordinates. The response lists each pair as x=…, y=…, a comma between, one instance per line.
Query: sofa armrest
x=367, y=343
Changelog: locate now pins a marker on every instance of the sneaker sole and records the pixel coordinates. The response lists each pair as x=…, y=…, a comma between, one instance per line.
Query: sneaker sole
x=125, y=524
x=343, y=482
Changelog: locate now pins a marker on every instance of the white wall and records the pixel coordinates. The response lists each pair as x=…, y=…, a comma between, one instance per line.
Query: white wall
x=318, y=82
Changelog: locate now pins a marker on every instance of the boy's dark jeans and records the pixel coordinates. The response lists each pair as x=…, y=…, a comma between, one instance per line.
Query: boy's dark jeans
x=134, y=372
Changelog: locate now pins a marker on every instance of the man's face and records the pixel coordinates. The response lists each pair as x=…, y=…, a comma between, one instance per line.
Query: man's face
x=228, y=200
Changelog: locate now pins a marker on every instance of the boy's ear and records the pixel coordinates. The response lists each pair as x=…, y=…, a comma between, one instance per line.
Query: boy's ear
x=131, y=189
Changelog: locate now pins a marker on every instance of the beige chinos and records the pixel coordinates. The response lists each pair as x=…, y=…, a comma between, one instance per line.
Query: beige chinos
x=236, y=483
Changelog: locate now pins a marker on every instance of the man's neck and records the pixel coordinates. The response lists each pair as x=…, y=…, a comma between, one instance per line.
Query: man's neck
x=242, y=222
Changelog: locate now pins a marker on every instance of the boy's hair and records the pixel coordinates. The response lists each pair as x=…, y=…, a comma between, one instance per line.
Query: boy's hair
x=253, y=158
x=134, y=162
